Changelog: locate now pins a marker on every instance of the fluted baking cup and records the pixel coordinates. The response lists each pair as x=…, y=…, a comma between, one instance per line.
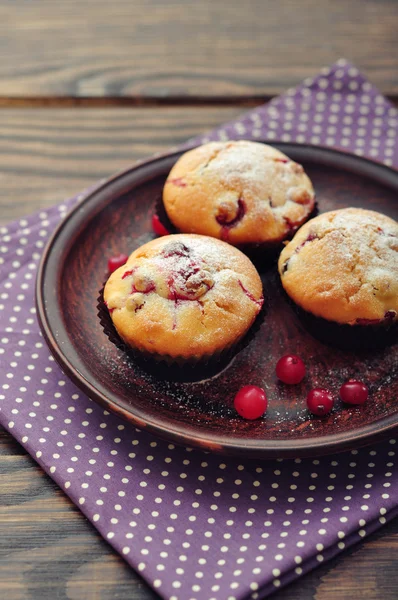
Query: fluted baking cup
x=178, y=368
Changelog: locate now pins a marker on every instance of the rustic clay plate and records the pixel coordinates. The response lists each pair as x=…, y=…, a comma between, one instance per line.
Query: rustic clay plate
x=117, y=218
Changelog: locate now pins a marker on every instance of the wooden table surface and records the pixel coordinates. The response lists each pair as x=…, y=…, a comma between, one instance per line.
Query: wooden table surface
x=87, y=87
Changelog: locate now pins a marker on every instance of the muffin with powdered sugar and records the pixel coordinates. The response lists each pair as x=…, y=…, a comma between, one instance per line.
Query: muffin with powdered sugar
x=341, y=269
x=245, y=193
x=184, y=298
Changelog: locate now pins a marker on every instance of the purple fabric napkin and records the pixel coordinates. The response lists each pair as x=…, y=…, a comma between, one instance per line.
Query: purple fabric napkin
x=198, y=526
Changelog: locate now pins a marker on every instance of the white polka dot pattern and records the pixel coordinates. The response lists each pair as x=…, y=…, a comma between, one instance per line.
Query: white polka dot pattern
x=193, y=525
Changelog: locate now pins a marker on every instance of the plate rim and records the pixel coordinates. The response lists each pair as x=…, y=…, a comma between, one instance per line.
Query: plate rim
x=266, y=448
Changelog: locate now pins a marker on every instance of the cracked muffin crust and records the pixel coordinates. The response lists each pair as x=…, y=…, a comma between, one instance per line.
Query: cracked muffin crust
x=184, y=296
x=241, y=192
x=342, y=266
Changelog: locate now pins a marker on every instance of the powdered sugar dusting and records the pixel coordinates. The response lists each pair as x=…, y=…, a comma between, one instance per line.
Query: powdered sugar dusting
x=186, y=286
x=343, y=265
x=265, y=172
x=248, y=192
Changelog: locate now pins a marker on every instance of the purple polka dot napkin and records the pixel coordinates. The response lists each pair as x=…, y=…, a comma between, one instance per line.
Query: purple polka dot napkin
x=198, y=526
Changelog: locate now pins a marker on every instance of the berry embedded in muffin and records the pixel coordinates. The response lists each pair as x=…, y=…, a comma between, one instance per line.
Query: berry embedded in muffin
x=241, y=192
x=184, y=297
x=342, y=266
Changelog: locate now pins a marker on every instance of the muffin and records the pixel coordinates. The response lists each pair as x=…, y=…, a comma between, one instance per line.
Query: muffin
x=184, y=298
x=342, y=269
x=242, y=192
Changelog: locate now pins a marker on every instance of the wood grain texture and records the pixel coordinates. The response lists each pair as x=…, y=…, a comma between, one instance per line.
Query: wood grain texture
x=48, y=550
x=49, y=155
x=153, y=48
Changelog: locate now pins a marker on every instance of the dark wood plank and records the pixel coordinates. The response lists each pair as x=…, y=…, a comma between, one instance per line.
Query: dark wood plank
x=48, y=550
x=49, y=155
x=153, y=48
x=367, y=571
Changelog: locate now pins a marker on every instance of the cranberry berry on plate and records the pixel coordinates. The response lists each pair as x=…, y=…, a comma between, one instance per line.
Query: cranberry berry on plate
x=320, y=402
x=290, y=369
x=250, y=402
x=116, y=261
x=158, y=226
x=354, y=392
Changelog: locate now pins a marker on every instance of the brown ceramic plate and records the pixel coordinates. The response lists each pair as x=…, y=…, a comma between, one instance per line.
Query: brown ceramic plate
x=117, y=218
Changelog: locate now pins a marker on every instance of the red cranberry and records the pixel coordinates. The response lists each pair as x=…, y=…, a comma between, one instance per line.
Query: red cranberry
x=290, y=369
x=320, y=401
x=117, y=261
x=259, y=302
x=175, y=249
x=158, y=227
x=225, y=218
x=354, y=392
x=291, y=225
x=178, y=181
x=390, y=315
x=250, y=402
x=310, y=238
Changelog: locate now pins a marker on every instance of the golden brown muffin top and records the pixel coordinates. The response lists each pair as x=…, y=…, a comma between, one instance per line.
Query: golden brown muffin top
x=184, y=296
x=239, y=191
x=343, y=266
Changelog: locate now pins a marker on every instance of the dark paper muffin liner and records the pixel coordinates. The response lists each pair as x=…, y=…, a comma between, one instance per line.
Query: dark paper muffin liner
x=262, y=255
x=178, y=368
x=347, y=337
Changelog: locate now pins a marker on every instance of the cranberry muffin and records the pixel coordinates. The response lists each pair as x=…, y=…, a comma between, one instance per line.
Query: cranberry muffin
x=242, y=192
x=184, y=298
x=342, y=267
